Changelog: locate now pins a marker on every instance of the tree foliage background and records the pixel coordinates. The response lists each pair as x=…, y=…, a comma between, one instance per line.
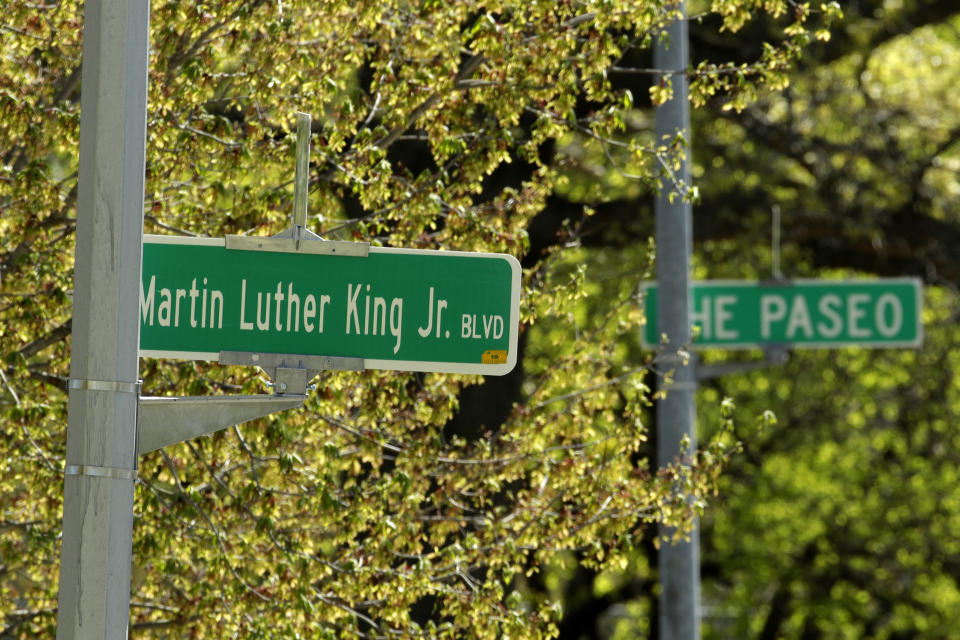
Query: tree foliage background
x=839, y=520
x=406, y=505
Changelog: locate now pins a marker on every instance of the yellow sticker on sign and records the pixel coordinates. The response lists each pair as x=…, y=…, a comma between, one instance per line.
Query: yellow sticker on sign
x=493, y=356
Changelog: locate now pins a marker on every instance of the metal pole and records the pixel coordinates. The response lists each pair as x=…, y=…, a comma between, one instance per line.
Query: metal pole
x=301, y=180
x=100, y=469
x=679, y=564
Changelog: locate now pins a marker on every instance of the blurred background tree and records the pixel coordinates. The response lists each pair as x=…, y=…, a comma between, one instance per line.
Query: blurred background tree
x=394, y=505
x=836, y=521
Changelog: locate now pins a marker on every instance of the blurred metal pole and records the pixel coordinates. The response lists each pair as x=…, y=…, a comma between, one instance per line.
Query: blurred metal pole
x=101, y=460
x=679, y=564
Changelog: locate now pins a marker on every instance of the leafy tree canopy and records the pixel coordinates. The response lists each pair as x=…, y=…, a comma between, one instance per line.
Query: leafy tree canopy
x=835, y=521
x=381, y=510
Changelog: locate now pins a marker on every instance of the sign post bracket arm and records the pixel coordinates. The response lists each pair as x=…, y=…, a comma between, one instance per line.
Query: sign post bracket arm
x=297, y=238
x=165, y=421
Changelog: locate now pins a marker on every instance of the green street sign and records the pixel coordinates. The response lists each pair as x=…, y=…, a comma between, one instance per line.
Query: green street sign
x=800, y=313
x=400, y=309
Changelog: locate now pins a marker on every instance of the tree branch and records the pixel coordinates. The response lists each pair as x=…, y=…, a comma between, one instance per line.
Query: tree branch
x=462, y=81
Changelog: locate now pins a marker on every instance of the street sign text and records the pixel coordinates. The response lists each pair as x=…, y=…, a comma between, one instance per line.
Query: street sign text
x=802, y=313
x=400, y=309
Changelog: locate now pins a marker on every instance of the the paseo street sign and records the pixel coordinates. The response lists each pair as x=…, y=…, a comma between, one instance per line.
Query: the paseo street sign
x=400, y=309
x=800, y=313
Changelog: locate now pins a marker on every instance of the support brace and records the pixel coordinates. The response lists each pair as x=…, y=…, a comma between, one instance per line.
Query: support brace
x=165, y=421
x=773, y=355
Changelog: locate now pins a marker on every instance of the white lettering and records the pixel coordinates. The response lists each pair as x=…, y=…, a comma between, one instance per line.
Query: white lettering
x=396, y=317
x=216, y=296
x=203, y=306
x=293, y=300
x=263, y=320
x=799, y=318
x=324, y=300
x=856, y=313
x=441, y=305
x=309, y=312
x=379, y=311
x=425, y=331
x=194, y=292
x=896, y=315
x=492, y=327
x=168, y=308
x=721, y=314
x=146, y=303
x=352, y=295
x=366, y=312
x=830, y=306
x=178, y=294
x=163, y=309
x=277, y=299
x=773, y=308
x=244, y=326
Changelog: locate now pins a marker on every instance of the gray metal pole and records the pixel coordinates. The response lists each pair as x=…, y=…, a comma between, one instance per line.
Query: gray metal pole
x=679, y=564
x=101, y=465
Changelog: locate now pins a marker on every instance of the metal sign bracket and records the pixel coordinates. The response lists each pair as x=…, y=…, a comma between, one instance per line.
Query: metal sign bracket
x=278, y=365
x=164, y=421
x=299, y=239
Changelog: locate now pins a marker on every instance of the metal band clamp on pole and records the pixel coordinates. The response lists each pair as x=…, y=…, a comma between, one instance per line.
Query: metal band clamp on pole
x=100, y=472
x=104, y=385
